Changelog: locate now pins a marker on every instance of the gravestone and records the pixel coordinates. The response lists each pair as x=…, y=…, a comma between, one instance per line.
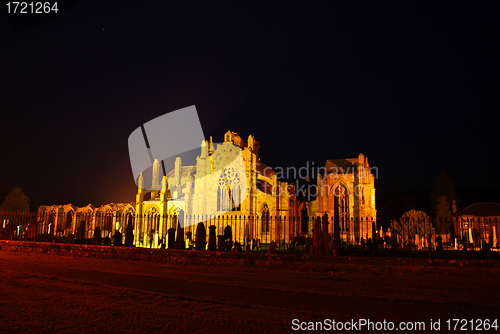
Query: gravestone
x=107, y=241
x=118, y=238
x=326, y=235
x=439, y=241
x=129, y=234
x=97, y=236
x=171, y=238
x=179, y=240
x=200, y=237
x=81, y=233
x=212, y=239
x=228, y=237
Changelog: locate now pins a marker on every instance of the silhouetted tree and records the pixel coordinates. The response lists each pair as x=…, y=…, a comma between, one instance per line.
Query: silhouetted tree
x=412, y=222
x=443, y=215
x=393, y=206
x=16, y=200
x=442, y=186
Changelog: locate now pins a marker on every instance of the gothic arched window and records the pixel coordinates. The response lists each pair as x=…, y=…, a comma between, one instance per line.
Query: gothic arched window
x=229, y=191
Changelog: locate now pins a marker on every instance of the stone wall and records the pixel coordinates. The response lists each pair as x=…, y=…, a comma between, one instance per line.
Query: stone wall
x=295, y=262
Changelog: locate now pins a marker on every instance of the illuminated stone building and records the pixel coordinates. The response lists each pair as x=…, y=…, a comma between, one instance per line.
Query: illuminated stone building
x=349, y=185
x=201, y=192
x=478, y=224
x=228, y=186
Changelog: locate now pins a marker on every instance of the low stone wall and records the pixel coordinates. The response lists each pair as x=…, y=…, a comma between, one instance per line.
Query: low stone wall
x=329, y=264
x=124, y=253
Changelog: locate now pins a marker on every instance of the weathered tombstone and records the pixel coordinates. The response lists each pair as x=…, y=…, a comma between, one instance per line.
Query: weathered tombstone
x=228, y=232
x=228, y=237
x=326, y=234
x=107, y=240
x=71, y=238
x=156, y=240
x=171, y=238
x=97, y=236
x=81, y=233
x=179, y=240
x=212, y=239
x=494, y=235
x=129, y=232
x=200, y=237
x=439, y=241
x=118, y=238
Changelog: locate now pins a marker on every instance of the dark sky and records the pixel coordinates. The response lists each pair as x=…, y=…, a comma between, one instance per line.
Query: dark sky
x=412, y=86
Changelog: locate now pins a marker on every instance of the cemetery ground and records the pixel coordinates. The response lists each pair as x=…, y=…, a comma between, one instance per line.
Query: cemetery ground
x=55, y=293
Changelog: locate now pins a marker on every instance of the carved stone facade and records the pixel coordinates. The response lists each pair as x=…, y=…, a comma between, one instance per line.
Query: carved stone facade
x=243, y=193
x=192, y=190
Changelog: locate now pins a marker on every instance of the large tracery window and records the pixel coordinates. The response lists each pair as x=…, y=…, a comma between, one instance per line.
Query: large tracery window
x=229, y=191
x=69, y=220
x=342, y=195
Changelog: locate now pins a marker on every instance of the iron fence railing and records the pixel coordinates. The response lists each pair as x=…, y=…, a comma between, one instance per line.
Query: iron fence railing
x=240, y=232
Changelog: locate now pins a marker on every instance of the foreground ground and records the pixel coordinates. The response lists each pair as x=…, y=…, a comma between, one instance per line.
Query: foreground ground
x=54, y=293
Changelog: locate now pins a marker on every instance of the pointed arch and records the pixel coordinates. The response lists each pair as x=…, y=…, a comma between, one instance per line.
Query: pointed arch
x=152, y=217
x=104, y=218
x=339, y=201
x=125, y=217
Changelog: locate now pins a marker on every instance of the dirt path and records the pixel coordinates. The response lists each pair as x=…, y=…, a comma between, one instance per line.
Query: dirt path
x=54, y=293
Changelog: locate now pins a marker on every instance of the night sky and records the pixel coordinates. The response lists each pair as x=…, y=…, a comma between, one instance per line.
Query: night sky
x=412, y=86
